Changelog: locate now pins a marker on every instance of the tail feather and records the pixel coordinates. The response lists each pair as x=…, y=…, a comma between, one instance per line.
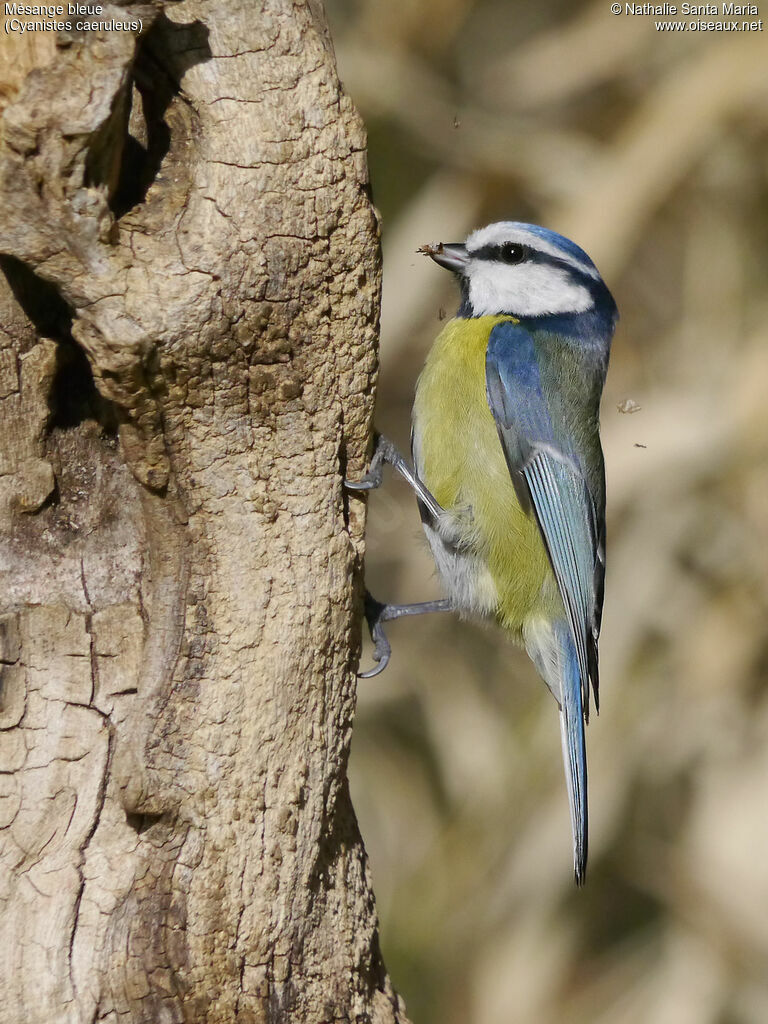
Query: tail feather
x=551, y=647
x=575, y=758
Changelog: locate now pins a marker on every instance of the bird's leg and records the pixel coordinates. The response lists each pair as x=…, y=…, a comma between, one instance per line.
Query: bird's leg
x=386, y=452
x=377, y=613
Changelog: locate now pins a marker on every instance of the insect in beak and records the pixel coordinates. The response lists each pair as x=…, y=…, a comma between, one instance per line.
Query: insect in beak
x=451, y=255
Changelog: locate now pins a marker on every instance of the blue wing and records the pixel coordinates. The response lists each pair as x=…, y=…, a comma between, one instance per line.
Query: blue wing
x=550, y=478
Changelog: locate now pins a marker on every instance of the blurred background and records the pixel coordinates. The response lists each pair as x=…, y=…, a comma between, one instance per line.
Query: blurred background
x=650, y=149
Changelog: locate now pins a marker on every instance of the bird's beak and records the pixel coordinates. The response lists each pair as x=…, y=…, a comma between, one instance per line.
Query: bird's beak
x=451, y=255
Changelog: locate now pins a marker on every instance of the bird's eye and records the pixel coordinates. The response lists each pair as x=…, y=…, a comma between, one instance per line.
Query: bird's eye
x=512, y=252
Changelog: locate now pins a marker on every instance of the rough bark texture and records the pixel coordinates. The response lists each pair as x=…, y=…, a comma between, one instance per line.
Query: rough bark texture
x=187, y=356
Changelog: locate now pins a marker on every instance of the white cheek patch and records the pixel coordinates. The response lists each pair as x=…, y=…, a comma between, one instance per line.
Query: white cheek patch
x=525, y=289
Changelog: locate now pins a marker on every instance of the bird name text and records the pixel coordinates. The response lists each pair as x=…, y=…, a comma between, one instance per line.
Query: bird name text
x=52, y=10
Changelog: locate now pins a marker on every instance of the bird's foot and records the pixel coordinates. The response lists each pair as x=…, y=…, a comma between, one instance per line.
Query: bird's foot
x=384, y=452
x=381, y=648
x=376, y=614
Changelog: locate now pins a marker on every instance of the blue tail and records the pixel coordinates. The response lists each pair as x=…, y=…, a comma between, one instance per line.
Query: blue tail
x=574, y=747
x=551, y=647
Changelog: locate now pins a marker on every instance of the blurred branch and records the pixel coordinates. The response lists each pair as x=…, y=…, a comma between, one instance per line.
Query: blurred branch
x=671, y=129
x=464, y=135
x=543, y=70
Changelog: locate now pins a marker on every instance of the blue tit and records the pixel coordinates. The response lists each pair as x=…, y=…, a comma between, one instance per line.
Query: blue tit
x=508, y=467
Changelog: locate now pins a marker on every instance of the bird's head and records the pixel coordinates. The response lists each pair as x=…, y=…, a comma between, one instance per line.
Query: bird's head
x=522, y=270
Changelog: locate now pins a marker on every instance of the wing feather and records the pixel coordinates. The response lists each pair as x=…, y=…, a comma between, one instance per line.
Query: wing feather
x=561, y=518
x=549, y=473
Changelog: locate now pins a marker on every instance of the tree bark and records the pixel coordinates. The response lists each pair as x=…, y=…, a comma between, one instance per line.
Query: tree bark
x=187, y=362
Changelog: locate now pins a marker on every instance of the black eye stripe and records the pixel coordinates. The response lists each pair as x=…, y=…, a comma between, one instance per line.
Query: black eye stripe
x=527, y=254
x=507, y=252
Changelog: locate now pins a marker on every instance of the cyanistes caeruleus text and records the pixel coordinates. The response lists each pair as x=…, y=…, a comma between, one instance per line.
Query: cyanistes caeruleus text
x=508, y=467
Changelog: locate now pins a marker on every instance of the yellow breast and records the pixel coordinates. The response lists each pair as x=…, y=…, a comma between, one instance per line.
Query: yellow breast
x=460, y=459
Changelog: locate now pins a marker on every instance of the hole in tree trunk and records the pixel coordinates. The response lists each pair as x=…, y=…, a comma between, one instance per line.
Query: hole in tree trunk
x=148, y=141
x=42, y=304
x=73, y=397
x=141, y=822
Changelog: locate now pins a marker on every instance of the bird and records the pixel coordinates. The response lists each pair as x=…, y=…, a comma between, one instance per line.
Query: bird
x=508, y=467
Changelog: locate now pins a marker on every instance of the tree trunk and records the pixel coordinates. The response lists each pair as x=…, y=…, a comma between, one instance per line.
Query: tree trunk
x=187, y=361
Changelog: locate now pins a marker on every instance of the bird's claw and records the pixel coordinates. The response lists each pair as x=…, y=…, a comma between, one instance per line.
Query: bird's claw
x=370, y=481
x=376, y=614
x=385, y=451
x=381, y=648
x=381, y=653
